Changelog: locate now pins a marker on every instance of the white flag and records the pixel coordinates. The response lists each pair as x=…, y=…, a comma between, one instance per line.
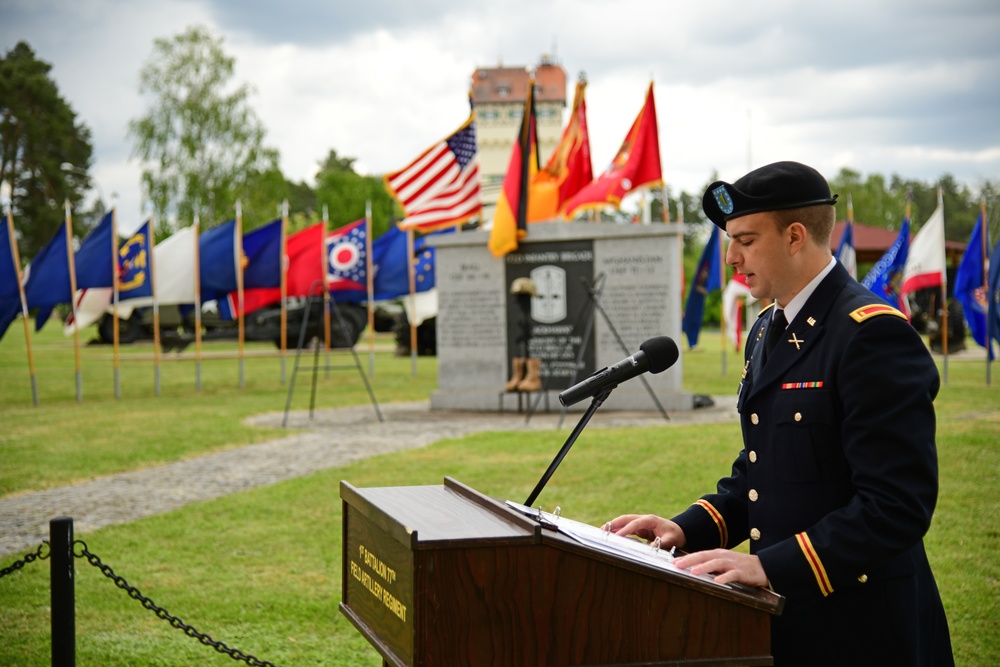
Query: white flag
x=925, y=263
x=173, y=271
x=91, y=305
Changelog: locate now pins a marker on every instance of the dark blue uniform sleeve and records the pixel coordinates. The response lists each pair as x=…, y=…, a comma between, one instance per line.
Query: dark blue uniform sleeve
x=886, y=383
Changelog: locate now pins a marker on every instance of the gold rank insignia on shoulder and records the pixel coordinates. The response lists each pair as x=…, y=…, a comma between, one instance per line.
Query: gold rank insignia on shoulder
x=865, y=312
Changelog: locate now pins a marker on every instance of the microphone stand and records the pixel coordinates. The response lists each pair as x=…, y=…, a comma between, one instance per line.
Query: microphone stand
x=594, y=404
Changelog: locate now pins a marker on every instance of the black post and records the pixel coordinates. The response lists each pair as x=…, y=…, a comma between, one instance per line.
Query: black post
x=63, y=595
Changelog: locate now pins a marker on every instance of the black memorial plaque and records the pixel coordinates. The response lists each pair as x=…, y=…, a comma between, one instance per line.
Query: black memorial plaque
x=560, y=312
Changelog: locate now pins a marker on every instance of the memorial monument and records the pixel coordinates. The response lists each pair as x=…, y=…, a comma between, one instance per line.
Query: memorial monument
x=601, y=290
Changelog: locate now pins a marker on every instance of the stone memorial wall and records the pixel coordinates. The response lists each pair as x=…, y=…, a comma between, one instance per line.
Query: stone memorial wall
x=481, y=326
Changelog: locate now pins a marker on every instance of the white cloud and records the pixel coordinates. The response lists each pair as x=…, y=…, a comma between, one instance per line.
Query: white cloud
x=886, y=86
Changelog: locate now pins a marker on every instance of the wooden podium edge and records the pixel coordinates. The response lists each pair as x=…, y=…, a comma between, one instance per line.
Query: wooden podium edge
x=758, y=598
x=403, y=534
x=368, y=633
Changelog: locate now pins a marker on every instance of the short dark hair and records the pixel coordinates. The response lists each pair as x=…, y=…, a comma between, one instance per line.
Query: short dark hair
x=818, y=221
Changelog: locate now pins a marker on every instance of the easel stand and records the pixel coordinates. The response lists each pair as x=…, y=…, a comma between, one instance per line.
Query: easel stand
x=594, y=292
x=316, y=365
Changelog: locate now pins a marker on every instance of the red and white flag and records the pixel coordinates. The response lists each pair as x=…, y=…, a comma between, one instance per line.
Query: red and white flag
x=736, y=293
x=925, y=263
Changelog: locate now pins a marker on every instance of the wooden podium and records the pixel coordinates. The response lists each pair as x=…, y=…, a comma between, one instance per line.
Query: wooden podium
x=443, y=576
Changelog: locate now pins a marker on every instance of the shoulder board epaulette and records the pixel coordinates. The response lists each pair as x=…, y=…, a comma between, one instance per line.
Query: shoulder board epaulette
x=865, y=312
x=766, y=308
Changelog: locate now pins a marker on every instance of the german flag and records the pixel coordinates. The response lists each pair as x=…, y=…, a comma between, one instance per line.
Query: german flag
x=510, y=219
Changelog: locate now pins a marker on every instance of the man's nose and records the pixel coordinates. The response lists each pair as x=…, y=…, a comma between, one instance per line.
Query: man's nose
x=731, y=255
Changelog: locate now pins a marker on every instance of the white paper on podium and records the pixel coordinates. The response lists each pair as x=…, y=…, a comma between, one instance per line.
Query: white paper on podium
x=606, y=541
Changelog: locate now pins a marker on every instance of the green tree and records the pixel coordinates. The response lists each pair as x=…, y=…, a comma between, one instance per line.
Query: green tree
x=38, y=132
x=201, y=143
x=875, y=204
x=345, y=193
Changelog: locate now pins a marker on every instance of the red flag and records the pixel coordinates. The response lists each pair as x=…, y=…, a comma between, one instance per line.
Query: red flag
x=569, y=168
x=636, y=164
x=510, y=218
x=305, y=266
x=305, y=260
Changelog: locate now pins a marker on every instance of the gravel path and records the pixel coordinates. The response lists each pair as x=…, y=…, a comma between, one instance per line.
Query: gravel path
x=332, y=438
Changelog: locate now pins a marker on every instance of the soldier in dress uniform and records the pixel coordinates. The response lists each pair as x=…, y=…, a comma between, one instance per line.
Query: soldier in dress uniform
x=837, y=481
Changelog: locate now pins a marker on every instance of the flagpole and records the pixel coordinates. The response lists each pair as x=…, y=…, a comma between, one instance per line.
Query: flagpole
x=284, y=287
x=114, y=301
x=986, y=281
x=680, y=249
x=722, y=307
x=370, y=283
x=900, y=299
x=197, y=302
x=71, y=259
x=324, y=262
x=413, y=301
x=238, y=250
x=944, y=295
x=25, y=317
x=151, y=270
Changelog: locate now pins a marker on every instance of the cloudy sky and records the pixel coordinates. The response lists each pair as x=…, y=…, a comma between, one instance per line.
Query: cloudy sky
x=881, y=86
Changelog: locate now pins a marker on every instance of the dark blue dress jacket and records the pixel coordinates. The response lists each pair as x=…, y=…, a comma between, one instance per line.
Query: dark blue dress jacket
x=837, y=482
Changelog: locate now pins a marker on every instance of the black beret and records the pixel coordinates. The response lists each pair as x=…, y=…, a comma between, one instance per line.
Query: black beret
x=773, y=187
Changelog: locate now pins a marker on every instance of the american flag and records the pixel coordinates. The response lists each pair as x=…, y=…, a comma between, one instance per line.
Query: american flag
x=346, y=257
x=441, y=187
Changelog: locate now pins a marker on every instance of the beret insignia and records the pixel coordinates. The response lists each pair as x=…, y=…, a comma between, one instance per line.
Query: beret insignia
x=723, y=199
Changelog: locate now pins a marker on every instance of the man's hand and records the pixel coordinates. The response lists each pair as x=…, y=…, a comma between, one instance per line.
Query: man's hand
x=649, y=527
x=727, y=566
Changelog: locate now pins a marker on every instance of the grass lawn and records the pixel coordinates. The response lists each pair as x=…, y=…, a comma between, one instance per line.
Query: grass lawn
x=260, y=570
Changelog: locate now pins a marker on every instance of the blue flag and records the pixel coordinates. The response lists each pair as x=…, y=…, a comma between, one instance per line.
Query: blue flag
x=886, y=278
x=970, y=282
x=423, y=265
x=217, y=250
x=48, y=281
x=993, y=299
x=392, y=279
x=262, y=249
x=135, y=277
x=10, y=293
x=706, y=279
x=389, y=264
x=95, y=260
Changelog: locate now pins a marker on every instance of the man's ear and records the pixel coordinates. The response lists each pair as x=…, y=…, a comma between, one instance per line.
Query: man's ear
x=796, y=237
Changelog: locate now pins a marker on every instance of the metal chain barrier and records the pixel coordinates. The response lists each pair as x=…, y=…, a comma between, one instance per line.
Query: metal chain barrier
x=175, y=622
x=28, y=558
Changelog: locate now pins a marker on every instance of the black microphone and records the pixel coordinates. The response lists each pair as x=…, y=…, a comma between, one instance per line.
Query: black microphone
x=655, y=355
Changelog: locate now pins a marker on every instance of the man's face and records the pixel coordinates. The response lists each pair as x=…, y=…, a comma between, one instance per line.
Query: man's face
x=761, y=253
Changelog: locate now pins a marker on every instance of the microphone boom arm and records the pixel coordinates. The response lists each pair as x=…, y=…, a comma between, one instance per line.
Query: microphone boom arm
x=598, y=399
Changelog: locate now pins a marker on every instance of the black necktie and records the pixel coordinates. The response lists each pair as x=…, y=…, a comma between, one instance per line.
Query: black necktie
x=774, y=331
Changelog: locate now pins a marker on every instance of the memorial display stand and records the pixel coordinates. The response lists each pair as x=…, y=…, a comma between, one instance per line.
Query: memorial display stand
x=445, y=576
x=316, y=295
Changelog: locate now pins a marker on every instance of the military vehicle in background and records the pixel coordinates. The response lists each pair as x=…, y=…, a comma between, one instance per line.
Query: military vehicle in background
x=264, y=324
